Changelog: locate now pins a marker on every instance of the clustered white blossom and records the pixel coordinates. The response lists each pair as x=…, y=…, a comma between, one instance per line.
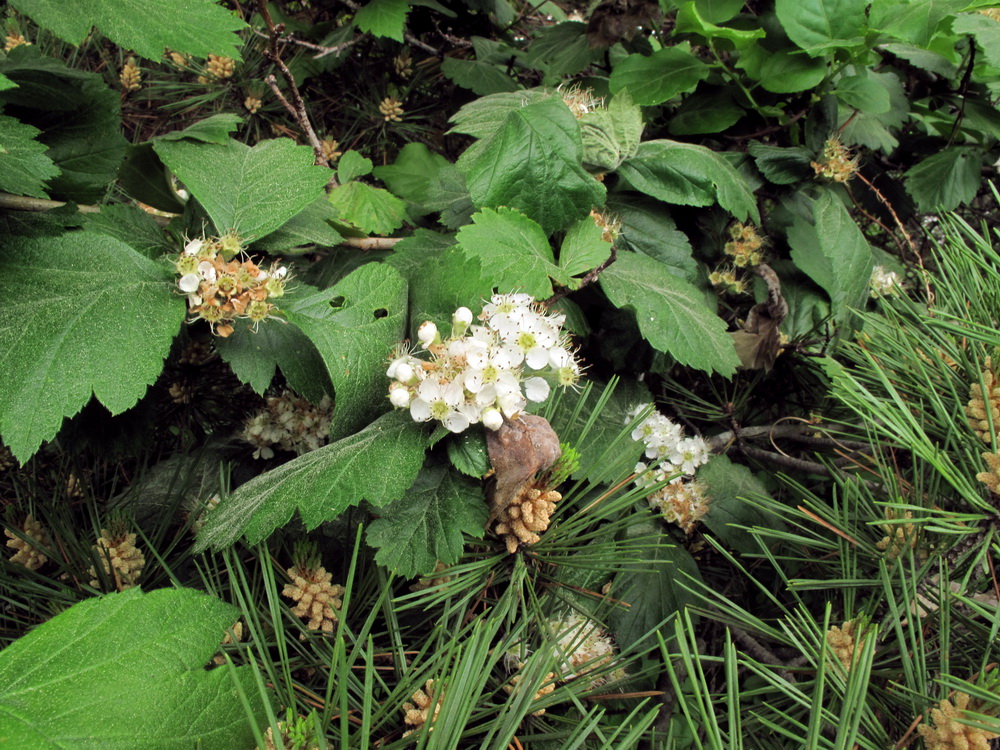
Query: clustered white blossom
x=884, y=283
x=477, y=374
x=674, y=457
x=583, y=647
x=221, y=289
x=289, y=423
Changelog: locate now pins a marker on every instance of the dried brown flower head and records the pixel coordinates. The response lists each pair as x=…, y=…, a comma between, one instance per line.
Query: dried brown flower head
x=548, y=686
x=330, y=149
x=846, y=642
x=221, y=67
x=898, y=536
x=991, y=478
x=837, y=163
x=527, y=514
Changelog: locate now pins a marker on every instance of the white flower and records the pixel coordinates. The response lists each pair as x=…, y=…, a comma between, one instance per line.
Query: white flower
x=189, y=283
x=689, y=454
x=884, y=283
x=436, y=401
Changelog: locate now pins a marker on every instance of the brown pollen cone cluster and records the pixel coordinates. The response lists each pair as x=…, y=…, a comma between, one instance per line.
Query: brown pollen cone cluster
x=520, y=451
x=26, y=553
x=950, y=734
x=316, y=597
x=842, y=642
x=979, y=406
x=420, y=712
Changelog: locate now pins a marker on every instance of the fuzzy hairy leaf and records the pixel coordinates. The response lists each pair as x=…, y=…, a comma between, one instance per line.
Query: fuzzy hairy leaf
x=370, y=209
x=648, y=227
x=352, y=165
x=65, y=683
x=377, y=464
x=254, y=358
x=671, y=313
x=354, y=326
x=468, y=453
x=533, y=163
x=513, y=250
x=384, y=18
x=583, y=248
x=24, y=166
x=308, y=228
x=250, y=191
x=658, y=77
x=689, y=175
x=945, y=180
x=426, y=525
x=484, y=116
x=782, y=166
x=194, y=27
x=85, y=315
x=611, y=134
x=830, y=249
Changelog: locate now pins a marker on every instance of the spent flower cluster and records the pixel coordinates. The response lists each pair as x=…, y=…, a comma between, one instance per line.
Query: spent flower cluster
x=585, y=647
x=884, y=283
x=477, y=374
x=670, y=456
x=289, y=423
x=220, y=288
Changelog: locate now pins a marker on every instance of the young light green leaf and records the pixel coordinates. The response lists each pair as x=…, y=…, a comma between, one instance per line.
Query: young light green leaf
x=426, y=525
x=583, y=248
x=672, y=314
x=385, y=18
x=717, y=11
x=377, y=464
x=85, y=314
x=6, y=83
x=830, y=249
x=193, y=27
x=533, y=163
x=913, y=21
x=986, y=32
x=410, y=175
x=690, y=176
x=818, y=26
x=945, y=180
x=513, y=250
x=24, y=166
x=786, y=73
x=351, y=166
x=701, y=16
x=610, y=134
x=372, y=210
x=354, y=325
x=127, y=670
x=732, y=488
x=238, y=185
x=255, y=356
x=658, y=77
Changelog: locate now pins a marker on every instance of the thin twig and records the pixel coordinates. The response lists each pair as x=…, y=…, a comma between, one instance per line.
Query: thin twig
x=297, y=107
x=318, y=48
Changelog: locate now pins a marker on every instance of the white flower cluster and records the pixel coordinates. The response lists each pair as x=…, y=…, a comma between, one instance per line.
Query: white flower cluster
x=583, y=646
x=477, y=374
x=670, y=453
x=884, y=283
x=289, y=423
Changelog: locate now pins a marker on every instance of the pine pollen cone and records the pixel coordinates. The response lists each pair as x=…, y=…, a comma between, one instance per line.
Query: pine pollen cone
x=527, y=514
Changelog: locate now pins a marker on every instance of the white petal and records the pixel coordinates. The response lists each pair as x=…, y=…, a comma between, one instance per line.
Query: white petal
x=536, y=389
x=537, y=358
x=462, y=316
x=189, y=283
x=420, y=410
x=454, y=394
x=427, y=333
x=456, y=421
x=193, y=246
x=404, y=373
x=473, y=380
x=492, y=419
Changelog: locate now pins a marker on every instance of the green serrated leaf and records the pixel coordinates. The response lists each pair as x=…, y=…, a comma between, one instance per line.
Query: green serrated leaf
x=648, y=228
x=717, y=11
x=64, y=683
x=354, y=326
x=410, y=175
x=446, y=193
x=913, y=21
x=86, y=314
x=689, y=175
x=250, y=191
x=706, y=112
x=583, y=248
x=351, y=166
x=193, y=27
x=561, y=50
x=658, y=77
x=818, y=26
x=213, y=129
x=788, y=73
x=986, y=32
x=479, y=77
x=671, y=313
x=864, y=93
x=513, y=251
x=255, y=356
x=6, y=83
x=372, y=210
x=654, y=593
x=377, y=464
x=945, y=180
x=414, y=533
x=24, y=166
x=783, y=166
x=385, y=18
x=830, y=249
x=533, y=163
x=611, y=134
x=468, y=453
x=731, y=489
x=484, y=116
x=133, y=226
x=307, y=229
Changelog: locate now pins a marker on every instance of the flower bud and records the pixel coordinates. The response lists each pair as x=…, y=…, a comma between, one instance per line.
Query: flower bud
x=461, y=321
x=492, y=419
x=399, y=397
x=404, y=373
x=427, y=333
